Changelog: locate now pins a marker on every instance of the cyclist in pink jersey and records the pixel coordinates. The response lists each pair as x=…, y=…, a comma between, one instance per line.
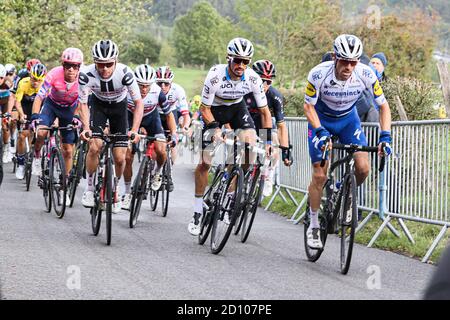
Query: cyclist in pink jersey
x=60, y=91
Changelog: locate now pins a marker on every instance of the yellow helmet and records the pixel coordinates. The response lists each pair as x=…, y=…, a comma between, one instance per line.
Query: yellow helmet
x=38, y=71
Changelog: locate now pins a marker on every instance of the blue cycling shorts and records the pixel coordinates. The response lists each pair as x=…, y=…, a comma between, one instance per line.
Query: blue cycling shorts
x=347, y=128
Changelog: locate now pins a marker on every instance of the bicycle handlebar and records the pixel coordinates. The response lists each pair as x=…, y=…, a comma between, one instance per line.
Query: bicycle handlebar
x=352, y=148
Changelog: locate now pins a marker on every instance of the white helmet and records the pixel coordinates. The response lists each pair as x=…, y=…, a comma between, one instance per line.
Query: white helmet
x=348, y=47
x=10, y=68
x=105, y=51
x=145, y=74
x=2, y=71
x=240, y=47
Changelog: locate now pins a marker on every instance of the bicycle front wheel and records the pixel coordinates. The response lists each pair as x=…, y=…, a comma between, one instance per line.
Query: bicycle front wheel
x=206, y=222
x=45, y=181
x=167, y=171
x=348, y=213
x=58, y=183
x=108, y=199
x=227, y=208
x=28, y=166
x=76, y=173
x=96, y=212
x=139, y=191
x=249, y=212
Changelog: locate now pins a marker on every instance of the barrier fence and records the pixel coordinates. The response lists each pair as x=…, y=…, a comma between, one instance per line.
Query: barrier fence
x=417, y=176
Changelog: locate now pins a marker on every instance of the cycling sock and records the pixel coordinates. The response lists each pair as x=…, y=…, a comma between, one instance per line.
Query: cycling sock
x=314, y=219
x=158, y=168
x=90, y=184
x=198, y=205
x=127, y=186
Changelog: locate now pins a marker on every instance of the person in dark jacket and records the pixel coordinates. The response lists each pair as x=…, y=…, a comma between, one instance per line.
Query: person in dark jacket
x=439, y=286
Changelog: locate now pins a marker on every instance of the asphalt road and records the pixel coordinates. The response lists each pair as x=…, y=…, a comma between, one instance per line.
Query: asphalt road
x=42, y=257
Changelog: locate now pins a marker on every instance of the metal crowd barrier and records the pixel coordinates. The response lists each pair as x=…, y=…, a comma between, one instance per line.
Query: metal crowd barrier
x=417, y=177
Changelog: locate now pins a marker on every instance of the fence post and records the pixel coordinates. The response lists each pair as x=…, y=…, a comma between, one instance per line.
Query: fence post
x=445, y=83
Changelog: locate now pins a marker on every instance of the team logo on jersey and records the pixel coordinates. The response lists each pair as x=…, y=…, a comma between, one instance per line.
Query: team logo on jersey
x=252, y=79
x=317, y=75
x=377, y=90
x=215, y=80
x=310, y=90
x=357, y=134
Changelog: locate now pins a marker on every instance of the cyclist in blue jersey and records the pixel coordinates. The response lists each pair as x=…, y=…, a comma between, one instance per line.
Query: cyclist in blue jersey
x=332, y=91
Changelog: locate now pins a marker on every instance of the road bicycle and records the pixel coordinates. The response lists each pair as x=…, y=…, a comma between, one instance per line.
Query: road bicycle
x=53, y=180
x=106, y=184
x=166, y=185
x=339, y=207
x=222, y=200
x=142, y=182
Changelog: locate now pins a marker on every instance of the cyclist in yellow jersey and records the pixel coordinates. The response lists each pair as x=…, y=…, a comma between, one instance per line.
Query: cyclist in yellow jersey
x=25, y=94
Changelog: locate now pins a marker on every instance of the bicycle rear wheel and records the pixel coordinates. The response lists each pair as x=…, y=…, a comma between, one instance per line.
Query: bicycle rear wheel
x=58, y=183
x=139, y=190
x=227, y=207
x=348, y=212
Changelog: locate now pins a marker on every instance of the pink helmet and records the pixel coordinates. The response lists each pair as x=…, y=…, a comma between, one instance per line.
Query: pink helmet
x=72, y=55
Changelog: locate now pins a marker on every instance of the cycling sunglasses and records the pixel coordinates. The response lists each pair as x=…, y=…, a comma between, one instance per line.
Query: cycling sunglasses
x=101, y=65
x=163, y=84
x=238, y=61
x=268, y=82
x=75, y=66
x=351, y=62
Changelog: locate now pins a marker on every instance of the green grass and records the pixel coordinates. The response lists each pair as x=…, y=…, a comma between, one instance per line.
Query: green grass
x=190, y=79
x=423, y=234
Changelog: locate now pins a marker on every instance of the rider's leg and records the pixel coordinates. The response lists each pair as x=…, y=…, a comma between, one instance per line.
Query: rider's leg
x=362, y=167
x=128, y=172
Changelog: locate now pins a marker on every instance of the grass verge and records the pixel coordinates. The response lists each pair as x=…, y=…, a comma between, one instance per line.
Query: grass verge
x=423, y=234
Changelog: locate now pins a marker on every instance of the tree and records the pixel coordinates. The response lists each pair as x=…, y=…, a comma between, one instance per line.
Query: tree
x=71, y=24
x=142, y=47
x=200, y=37
x=293, y=34
x=407, y=41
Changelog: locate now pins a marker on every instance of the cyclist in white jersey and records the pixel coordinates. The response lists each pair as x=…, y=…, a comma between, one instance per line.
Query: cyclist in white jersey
x=151, y=125
x=223, y=103
x=176, y=98
x=109, y=82
x=331, y=93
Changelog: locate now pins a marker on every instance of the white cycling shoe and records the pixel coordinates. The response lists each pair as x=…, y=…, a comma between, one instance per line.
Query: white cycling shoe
x=313, y=238
x=194, y=225
x=88, y=199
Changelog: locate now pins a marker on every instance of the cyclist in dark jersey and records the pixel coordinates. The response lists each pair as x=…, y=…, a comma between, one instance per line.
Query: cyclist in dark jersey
x=275, y=101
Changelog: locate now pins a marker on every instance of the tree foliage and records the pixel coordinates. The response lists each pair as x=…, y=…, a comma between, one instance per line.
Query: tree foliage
x=167, y=11
x=293, y=34
x=200, y=37
x=142, y=47
x=408, y=42
x=43, y=29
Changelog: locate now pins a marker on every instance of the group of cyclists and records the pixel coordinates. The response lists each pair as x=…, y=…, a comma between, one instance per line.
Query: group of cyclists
x=108, y=95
